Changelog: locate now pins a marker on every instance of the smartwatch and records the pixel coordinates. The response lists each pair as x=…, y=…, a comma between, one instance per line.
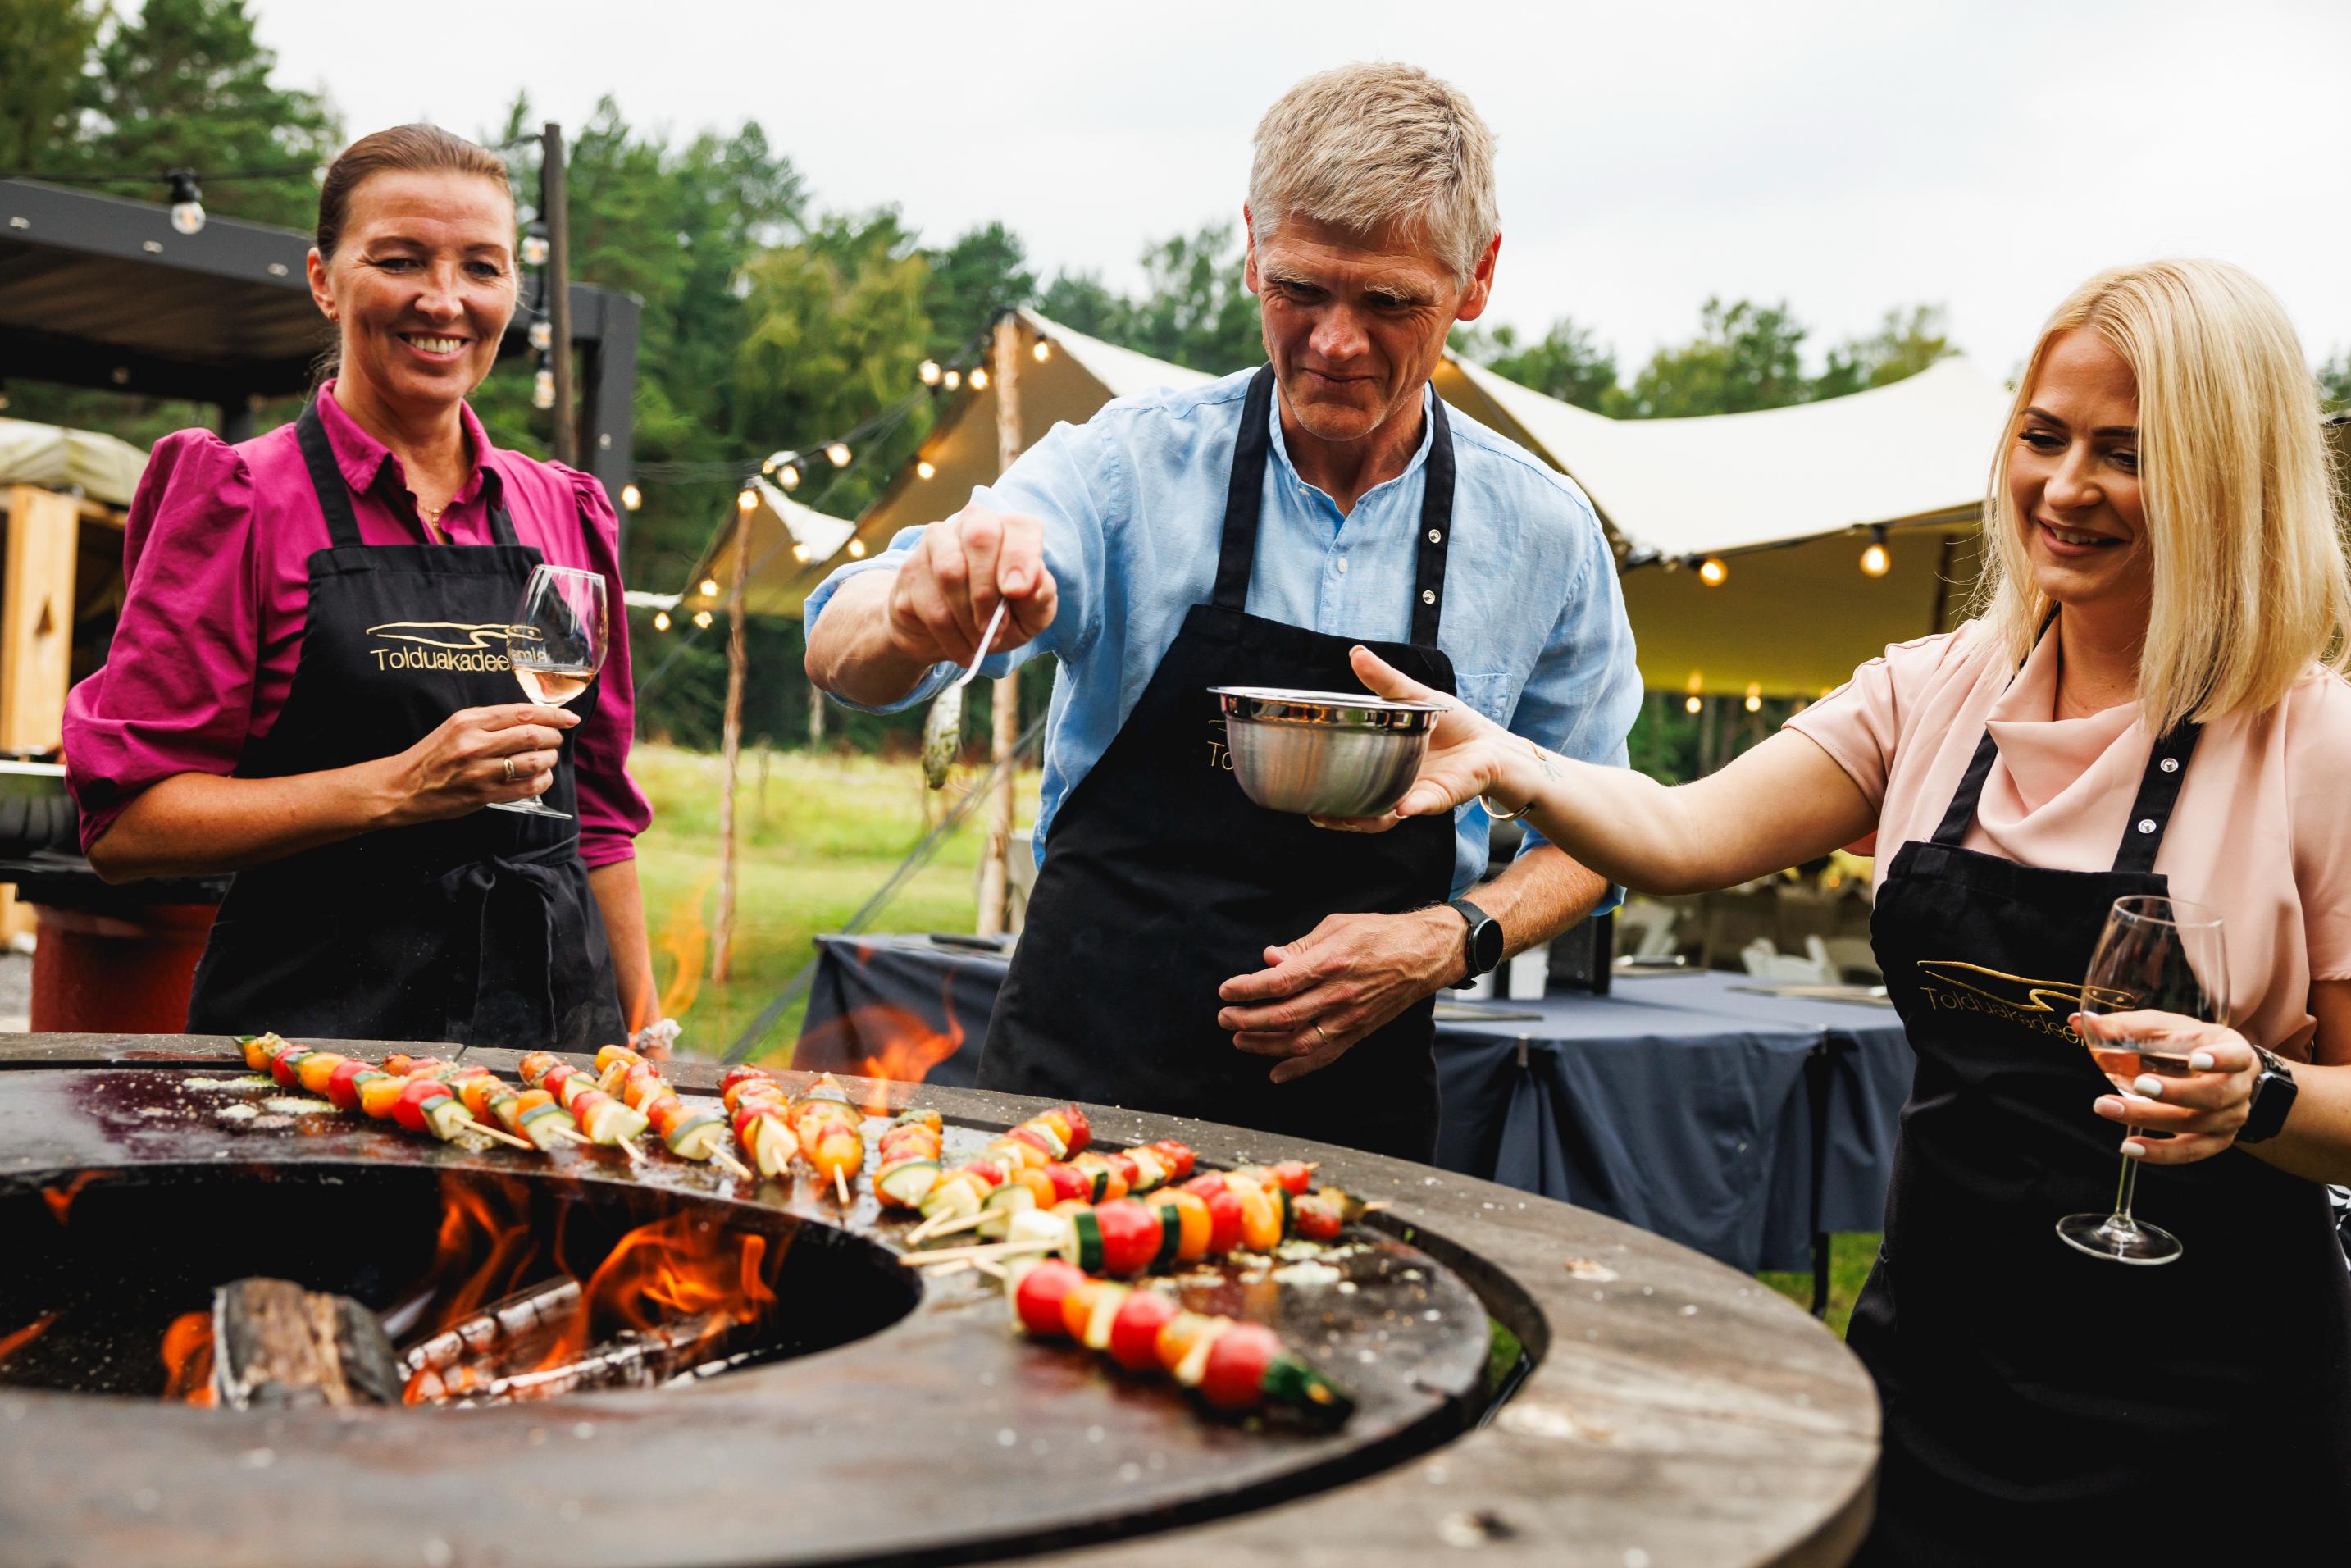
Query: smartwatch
x=1481, y=944
x=2273, y=1094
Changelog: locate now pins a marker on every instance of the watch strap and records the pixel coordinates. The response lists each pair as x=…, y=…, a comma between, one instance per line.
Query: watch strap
x=2273, y=1093
x=1476, y=920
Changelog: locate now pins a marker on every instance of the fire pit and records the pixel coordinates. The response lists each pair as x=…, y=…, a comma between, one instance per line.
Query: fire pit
x=722, y=1372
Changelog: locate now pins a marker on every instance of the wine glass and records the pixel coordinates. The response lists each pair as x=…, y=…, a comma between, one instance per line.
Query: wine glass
x=555, y=646
x=2165, y=954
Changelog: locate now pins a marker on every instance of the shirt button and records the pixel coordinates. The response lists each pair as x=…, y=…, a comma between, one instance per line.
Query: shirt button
x=2170, y=765
x=2146, y=824
x=1434, y=536
x=1428, y=596
x=1343, y=565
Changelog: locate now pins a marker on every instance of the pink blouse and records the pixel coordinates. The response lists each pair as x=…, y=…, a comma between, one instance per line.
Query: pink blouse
x=215, y=561
x=2261, y=833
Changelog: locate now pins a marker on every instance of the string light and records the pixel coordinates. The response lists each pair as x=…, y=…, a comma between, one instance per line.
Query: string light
x=929, y=372
x=1711, y=572
x=534, y=244
x=702, y=619
x=857, y=549
x=661, y=620
x=799, y=553
x=542, y=336
x=1695, y=685
x=788, y=476
x=777, y=460
x=709, y=587
x=1754, y=697
x=187, y=202
x=747, y=499
x=1692, y=704
x=923, y=468
x=838, y=453
x=1042, y=351
x=542, y=389
x=979, y=378
x=1876, y=562
x=953, y=380
x=631, y=497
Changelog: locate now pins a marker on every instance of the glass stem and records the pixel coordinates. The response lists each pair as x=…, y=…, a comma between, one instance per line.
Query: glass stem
x=2126, y=1188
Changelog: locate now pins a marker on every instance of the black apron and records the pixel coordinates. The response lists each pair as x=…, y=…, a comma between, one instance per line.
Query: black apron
x=480, y=930
x=1161, y=880
x=2042, y=1404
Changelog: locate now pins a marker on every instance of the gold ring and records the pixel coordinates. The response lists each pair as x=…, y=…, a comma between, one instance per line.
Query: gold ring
x=1319, y=1035
x=509, y=761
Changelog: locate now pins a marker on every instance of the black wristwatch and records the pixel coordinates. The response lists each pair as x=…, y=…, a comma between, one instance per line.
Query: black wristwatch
x=1481, y=944
x=2273, y=1094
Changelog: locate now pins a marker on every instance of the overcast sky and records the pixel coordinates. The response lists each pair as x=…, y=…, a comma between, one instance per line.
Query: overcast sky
x=1847, y=158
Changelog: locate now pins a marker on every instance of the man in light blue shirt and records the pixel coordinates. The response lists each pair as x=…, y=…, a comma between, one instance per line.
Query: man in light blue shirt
x=1184, y=539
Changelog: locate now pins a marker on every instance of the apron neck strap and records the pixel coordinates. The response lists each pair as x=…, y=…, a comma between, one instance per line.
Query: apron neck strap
x=1245, y=502
x=2150, y=815
x=335, y=496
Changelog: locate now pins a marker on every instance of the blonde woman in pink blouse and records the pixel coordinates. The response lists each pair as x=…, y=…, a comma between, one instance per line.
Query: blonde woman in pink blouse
x=2150, y=702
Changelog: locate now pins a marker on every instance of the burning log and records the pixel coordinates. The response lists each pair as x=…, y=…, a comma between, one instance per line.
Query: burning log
x=542, y=1307
x=632, y=1359
x=278, y=1345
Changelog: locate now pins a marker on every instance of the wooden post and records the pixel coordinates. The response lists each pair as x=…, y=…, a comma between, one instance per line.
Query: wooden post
x=36, y=614
x=730, y=745
x=996, y=868
x=565, y=448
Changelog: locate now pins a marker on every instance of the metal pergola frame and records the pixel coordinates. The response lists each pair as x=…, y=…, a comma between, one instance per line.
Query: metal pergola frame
x=98, y=291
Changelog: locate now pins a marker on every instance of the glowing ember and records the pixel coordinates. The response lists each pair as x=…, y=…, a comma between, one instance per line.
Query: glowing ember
x=60, y=1199
x=188, y=1359
x=11, y=1344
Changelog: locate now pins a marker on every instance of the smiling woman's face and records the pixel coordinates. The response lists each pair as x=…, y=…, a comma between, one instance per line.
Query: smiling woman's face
x=422, y=285
x=2073, y=477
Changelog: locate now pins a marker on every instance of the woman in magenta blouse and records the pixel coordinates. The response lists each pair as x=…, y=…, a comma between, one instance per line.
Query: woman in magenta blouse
x=262, y=710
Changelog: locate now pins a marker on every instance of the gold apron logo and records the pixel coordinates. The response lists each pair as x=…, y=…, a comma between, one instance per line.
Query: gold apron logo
x=1950, y=985
x=1219, y=754
x=460, y=647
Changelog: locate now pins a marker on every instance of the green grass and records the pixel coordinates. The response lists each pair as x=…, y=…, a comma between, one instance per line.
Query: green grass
x=817, y=838
x=816, y=841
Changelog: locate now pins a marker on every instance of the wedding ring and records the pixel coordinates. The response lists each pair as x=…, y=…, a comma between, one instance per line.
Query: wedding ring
x=1320, y=1037
x=510, y=778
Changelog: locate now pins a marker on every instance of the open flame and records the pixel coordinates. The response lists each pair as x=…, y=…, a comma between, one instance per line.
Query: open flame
x=884, y=1042
x=685, y=937
x=188, y=1359
x=60, y=1198
x=10, y=1343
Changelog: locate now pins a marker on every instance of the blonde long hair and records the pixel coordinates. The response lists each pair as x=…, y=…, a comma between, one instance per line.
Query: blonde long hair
x=2249, y=586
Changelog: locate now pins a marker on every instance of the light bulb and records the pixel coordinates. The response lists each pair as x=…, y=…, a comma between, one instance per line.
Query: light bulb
x=1711, y=572
x=838, y=453
x=187, y=202
x=788, y=476
x=702, y=619
x=631, y=497
x=979, y=378
x=857, y=549
x=1692, y=704
x=534, y=246
x=542, y=390
x=542, y=336
x=1876, y=562
x=1042, y=351
x=923, y=468
x=799, y=553
x=709, y=587
x=777, y=460
x=661, y=620
x=929, y=371
x=952, y=379
x=748, y=498
x=1754, y=697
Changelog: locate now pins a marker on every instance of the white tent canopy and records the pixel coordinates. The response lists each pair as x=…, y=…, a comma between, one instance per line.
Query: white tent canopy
x=788, y=541
x=99, y=467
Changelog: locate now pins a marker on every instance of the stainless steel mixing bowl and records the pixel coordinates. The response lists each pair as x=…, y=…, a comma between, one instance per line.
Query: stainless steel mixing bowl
x=1325, y=754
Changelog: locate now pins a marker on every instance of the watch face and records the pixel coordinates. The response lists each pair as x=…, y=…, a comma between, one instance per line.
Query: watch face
x=1485, y=942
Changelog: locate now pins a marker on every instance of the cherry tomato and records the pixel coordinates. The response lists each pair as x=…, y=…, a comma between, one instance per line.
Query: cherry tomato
x=1134, y=1333
x=340, y=1087
x=417, y=1093
x=1130, y=1236
x=1236, y=1365
x=1039, y=1296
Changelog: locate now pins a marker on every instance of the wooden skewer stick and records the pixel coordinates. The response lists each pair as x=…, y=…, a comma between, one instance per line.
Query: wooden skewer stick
x=1376, y=1205
x=492, y=1132
x=629, y=1147
x=840, y=1185
x=987, y=1249
x=569, y=1137
x=945, y=1227
x=992, y=1269
x=730, y=1165
x=958, y=1266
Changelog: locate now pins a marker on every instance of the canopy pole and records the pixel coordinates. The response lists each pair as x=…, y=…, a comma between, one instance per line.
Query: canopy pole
x=565, y=446
x=995, y=872
x=730, y=745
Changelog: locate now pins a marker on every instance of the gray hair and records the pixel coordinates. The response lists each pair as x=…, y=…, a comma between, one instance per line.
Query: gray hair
x=1372, y=147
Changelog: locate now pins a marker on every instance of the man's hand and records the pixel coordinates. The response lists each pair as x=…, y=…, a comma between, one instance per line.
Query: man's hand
x=960, y=569
x=1337, y=984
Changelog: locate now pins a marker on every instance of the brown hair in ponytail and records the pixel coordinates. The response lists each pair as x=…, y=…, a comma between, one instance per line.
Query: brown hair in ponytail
x=410, y=149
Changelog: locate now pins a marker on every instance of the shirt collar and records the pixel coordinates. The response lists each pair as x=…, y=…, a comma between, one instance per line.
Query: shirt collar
x=361, y=457
x=1419, y=455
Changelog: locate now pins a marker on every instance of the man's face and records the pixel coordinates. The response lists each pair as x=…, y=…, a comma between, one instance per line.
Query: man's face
x=1355, y=324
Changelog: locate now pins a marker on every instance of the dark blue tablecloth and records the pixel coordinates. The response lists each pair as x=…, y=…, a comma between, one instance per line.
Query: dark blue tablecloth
x=1684, y=1103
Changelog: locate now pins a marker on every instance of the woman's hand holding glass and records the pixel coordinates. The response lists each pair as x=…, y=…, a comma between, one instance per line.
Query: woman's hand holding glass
x=2201, y=1110
x=477, y=757
x=1470, y=755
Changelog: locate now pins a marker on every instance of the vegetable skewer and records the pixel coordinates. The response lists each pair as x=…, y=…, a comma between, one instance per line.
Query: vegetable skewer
x=603, y=1119
x=826, y=1129
x=1211, y=1215
x=689, y=1133
x=1089, y=1177
x=418, y=1104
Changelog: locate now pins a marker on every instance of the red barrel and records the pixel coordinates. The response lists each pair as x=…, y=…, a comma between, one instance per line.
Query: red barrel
x=123, y=972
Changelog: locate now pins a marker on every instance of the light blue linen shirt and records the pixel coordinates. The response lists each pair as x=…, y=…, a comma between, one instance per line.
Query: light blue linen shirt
x=1134, y=502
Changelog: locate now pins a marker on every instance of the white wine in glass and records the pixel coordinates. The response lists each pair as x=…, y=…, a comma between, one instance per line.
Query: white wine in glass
x=555, y=646
x=2160, y=954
